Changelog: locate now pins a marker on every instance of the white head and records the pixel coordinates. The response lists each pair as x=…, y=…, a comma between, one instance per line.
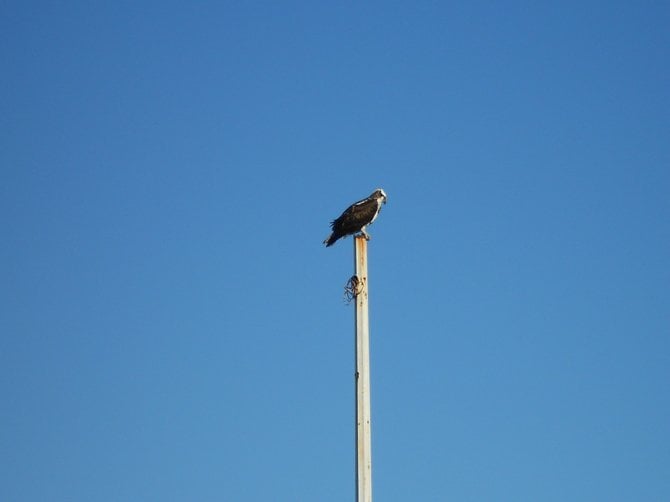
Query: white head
x=379, y=194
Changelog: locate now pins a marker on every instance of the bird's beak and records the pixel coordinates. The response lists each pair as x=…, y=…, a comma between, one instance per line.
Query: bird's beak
x=384, y=200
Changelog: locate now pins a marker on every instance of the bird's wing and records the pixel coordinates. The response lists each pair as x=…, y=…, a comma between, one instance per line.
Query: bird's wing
x=355, y=216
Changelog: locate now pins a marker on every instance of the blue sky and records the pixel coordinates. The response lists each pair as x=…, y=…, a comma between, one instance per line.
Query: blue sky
x=172, y=328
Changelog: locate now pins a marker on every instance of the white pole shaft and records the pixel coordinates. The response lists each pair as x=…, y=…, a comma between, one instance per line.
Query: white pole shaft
x=363, y=433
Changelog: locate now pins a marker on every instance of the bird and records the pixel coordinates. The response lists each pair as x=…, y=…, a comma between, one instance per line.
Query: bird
x=356, y=217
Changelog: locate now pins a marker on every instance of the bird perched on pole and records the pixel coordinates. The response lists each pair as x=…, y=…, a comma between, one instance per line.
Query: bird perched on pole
x=356, y=217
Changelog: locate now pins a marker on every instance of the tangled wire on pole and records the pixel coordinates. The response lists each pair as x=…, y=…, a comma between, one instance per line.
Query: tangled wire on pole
x=352, y=289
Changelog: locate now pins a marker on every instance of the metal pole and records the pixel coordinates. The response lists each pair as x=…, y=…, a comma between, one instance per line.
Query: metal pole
x=363, y=436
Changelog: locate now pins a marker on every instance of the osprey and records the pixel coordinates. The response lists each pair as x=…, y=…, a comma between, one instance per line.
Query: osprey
x=356, y=217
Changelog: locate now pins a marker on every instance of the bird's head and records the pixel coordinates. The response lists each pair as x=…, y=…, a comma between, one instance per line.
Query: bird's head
x=379, y=194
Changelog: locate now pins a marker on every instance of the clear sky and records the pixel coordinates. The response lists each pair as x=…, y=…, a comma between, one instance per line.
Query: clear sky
x=172, y=328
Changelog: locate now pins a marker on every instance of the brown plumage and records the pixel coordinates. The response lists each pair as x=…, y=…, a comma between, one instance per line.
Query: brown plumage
x=356, y=217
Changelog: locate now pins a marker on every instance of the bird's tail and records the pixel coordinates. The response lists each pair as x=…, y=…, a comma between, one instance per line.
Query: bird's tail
x=330, y=240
